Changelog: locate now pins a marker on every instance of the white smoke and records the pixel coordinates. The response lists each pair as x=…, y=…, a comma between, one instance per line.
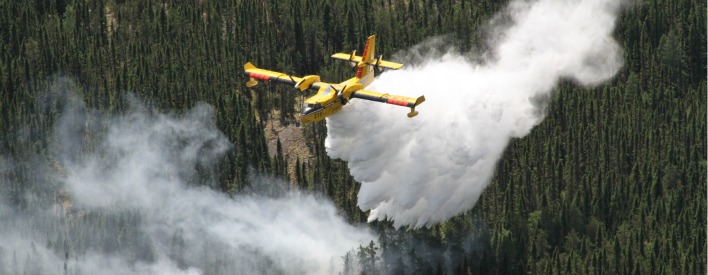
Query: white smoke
x=136, y=210
x=425, y=170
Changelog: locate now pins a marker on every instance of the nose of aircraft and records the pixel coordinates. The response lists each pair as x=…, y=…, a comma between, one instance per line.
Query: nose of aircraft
x=305, y=109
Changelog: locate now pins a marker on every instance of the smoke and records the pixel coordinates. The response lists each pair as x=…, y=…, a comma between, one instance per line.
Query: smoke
x=424, y=170
x=129, y=205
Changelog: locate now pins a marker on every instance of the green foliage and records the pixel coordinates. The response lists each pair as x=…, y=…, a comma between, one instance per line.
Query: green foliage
x=613, y=181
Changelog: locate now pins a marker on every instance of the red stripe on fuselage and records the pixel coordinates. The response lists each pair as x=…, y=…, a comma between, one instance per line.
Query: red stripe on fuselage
x=359, y=72
x=363, y=59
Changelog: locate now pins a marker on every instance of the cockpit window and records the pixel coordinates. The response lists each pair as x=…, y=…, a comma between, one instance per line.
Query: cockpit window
x=309, y=108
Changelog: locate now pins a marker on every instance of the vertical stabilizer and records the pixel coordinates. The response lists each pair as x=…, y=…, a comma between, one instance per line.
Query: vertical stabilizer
x=365, y=73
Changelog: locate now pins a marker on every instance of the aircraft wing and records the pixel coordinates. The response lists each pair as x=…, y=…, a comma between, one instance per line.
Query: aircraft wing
x=373, y=62
x=257, y=74
x=390, y=99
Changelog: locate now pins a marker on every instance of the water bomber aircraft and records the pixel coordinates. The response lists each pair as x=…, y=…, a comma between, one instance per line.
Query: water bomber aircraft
x=330, y=97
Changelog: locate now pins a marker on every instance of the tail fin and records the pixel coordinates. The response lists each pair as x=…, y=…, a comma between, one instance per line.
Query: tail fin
x=367, y=58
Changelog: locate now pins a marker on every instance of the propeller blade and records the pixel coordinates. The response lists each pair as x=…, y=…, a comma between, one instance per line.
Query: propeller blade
x=339, y=92
x=297, y=84
x=378, y=61
x=341, y=95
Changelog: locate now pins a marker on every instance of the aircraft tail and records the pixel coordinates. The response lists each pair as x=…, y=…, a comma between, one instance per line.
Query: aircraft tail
x=367, y=63
x=364, y=70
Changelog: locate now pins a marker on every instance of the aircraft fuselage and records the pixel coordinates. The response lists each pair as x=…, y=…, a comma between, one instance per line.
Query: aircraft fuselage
x=326, y=102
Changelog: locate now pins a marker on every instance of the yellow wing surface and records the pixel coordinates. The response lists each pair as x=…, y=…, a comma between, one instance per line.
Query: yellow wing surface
x=390, y=99
x=301, y=83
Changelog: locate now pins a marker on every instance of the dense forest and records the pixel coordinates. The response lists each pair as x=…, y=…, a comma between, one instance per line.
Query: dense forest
x=613, y=181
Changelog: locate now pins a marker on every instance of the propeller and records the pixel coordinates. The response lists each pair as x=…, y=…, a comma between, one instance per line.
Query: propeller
x=340, y=94
x=297, y=84
x=378, y=61
x=293, y=80
x=307, y=79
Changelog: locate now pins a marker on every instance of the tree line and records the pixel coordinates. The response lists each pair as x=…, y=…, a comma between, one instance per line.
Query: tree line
x=613, y=181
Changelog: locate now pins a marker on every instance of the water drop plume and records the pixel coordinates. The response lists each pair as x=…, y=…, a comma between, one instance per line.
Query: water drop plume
x=424, y=170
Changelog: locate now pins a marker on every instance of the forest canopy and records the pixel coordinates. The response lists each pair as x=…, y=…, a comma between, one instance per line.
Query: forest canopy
x=612, y=181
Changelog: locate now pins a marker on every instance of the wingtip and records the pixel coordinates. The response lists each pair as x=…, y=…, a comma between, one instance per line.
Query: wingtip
x=248, y=66
x=251, y=83
x=420, y=100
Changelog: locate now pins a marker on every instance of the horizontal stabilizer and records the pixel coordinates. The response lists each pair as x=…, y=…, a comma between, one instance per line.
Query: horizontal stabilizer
x=371, y=62
x=347, y=57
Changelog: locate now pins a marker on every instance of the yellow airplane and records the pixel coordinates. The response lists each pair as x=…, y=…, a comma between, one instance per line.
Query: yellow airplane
x=331, y=97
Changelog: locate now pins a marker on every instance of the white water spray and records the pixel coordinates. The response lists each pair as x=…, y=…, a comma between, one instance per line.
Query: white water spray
x=424, y=170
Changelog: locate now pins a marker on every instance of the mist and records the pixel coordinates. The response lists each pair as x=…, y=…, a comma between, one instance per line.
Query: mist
x=422, y=171
x=120, y=195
